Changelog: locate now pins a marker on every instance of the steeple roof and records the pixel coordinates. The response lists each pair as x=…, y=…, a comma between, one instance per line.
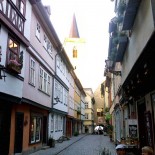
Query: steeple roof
x=74, y=33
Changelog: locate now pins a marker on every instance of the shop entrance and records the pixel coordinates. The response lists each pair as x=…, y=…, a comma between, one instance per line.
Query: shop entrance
x=141, y=118
x=19, y=132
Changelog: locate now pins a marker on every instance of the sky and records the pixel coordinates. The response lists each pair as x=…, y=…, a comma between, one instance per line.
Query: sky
x=93, y=17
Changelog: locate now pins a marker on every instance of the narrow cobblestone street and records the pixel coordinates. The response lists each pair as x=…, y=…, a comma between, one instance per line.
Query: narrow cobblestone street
x=81, y=145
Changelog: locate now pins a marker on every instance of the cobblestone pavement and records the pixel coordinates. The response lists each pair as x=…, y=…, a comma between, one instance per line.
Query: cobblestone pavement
x=81, y=145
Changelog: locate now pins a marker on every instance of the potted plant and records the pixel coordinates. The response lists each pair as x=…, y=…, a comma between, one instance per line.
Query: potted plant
x=121, y=8
x=51, y=142
x=76, y=133
x=135, y=140
x=110, y=130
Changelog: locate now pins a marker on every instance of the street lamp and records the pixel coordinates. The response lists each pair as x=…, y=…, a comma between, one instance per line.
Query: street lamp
x=57, y=100
x=109, y=65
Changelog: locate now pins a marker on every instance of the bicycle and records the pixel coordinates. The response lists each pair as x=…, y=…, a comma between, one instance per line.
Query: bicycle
x=63, y=138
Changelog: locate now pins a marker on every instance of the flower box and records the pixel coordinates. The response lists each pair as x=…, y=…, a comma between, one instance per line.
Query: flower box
x=14, y=66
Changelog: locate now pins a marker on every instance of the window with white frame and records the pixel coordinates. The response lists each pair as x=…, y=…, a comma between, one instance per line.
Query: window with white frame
x=38, y=31
x=49, y=48
x=86, y=115
x=45, y=42
x=52, y=123
x=44, y=81
x=56, y=123
x=65, y=97
x=61, y=65
x=35, y=129
x=32, y=72
x=47, y=45
x=59, y=91
x=61, y=123
x=86, y=105
x=58, y=62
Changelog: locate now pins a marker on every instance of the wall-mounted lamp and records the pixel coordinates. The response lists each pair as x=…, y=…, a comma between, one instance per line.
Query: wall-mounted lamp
x=57, y=100
x=109, y=65
x=2, y=73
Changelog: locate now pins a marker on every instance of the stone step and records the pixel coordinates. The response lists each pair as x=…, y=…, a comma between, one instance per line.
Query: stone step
x=45, y=147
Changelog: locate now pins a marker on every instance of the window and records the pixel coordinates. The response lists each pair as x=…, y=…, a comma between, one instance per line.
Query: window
x=45, y=42
x=74, y=52
x=65, y=97
x=35, y=129
x=49, y=48
x=44, y=81
x=86, y=116
x=86, y=105
x=21, y=6
x=38, y=31
x=47, y=45
x=52, y=122
x=56, y=123
x=13, y=50
x=99, y=112
x=58, y=91
x=32, y=71
x=58, y=62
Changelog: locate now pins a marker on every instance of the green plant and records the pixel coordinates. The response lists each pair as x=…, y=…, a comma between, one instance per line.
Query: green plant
x=76, y=133
x=109, y=129
x=51, y=142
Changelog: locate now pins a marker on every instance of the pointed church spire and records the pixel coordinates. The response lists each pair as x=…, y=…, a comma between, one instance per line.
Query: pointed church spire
x=74, y=33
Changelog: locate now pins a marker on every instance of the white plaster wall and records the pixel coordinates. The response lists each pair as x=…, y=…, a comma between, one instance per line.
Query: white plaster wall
x=142, y=30
x=38, y=44
x=63, y=76
x=28, y=20
x=12, y=85
x=32, y=93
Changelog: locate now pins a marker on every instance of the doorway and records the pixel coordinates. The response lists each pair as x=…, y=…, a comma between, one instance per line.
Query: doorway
x=19, y=132
x=45, y=129
x=141, y=117
x=5, y=119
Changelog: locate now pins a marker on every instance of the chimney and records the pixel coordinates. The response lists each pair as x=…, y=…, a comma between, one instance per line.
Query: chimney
x=48, y=10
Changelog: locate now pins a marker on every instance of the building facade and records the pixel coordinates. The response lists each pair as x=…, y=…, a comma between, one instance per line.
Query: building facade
x=89, y=110
x=36, y=82
x=131, y=50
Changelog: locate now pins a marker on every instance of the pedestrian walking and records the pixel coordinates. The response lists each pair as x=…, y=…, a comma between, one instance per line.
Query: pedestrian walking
x=147, y=150
x=120, y=149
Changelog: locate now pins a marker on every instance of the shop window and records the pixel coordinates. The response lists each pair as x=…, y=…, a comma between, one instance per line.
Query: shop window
x=35, y=129
x=52, y=122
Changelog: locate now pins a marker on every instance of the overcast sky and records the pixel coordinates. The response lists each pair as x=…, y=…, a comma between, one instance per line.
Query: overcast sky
x=93, y=18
